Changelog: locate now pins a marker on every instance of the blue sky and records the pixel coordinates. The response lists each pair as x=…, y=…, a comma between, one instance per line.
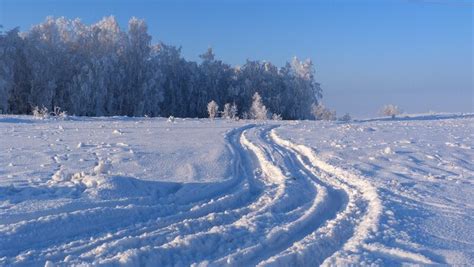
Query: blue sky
x=413, y=53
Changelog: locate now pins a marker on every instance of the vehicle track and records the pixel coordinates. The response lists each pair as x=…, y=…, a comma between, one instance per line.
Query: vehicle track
x=353, y=229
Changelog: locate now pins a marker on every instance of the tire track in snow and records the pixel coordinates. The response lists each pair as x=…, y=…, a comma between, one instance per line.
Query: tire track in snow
x=223, y=239
x=364, y=206
x=123, y=217
x=324, y=205
x=202, y=215
x=233, y=235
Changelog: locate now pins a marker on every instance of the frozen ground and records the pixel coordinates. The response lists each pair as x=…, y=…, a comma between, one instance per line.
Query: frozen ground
x=123, y=191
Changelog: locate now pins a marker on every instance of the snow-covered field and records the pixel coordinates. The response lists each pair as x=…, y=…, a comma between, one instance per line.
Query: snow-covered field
x=129, y=191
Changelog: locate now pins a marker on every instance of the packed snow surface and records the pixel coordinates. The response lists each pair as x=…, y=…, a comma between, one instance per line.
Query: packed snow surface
x=155, y=192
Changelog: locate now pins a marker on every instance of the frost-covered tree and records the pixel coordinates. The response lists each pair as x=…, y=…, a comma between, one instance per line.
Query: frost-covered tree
x=40, y=113
x=213, y=80
x=302, y=90
x=212, y=109
x=276, y=117
x=9, y=45
x=233, y=111
x=101, y=69
x=258, y=111
x=391, y=110
x=346, y=117
x=230, y=111
x=320, y=112
x=226, y=112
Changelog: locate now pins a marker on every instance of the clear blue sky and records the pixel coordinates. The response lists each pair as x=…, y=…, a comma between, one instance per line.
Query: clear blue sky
x=417, y=54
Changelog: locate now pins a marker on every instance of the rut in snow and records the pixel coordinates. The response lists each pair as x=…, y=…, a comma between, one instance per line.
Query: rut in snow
x=352, y=229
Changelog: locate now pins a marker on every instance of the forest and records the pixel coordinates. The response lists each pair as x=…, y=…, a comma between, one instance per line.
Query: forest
x=103, y=70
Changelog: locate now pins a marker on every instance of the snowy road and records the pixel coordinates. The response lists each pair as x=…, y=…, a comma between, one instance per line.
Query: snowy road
x=281, y=203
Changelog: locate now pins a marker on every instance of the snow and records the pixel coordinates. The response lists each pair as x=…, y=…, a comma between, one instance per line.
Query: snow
x=143, y=191
x=424, y=184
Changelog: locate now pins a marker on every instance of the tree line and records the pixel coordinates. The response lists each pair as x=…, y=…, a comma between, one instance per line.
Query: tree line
x=102, y=70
